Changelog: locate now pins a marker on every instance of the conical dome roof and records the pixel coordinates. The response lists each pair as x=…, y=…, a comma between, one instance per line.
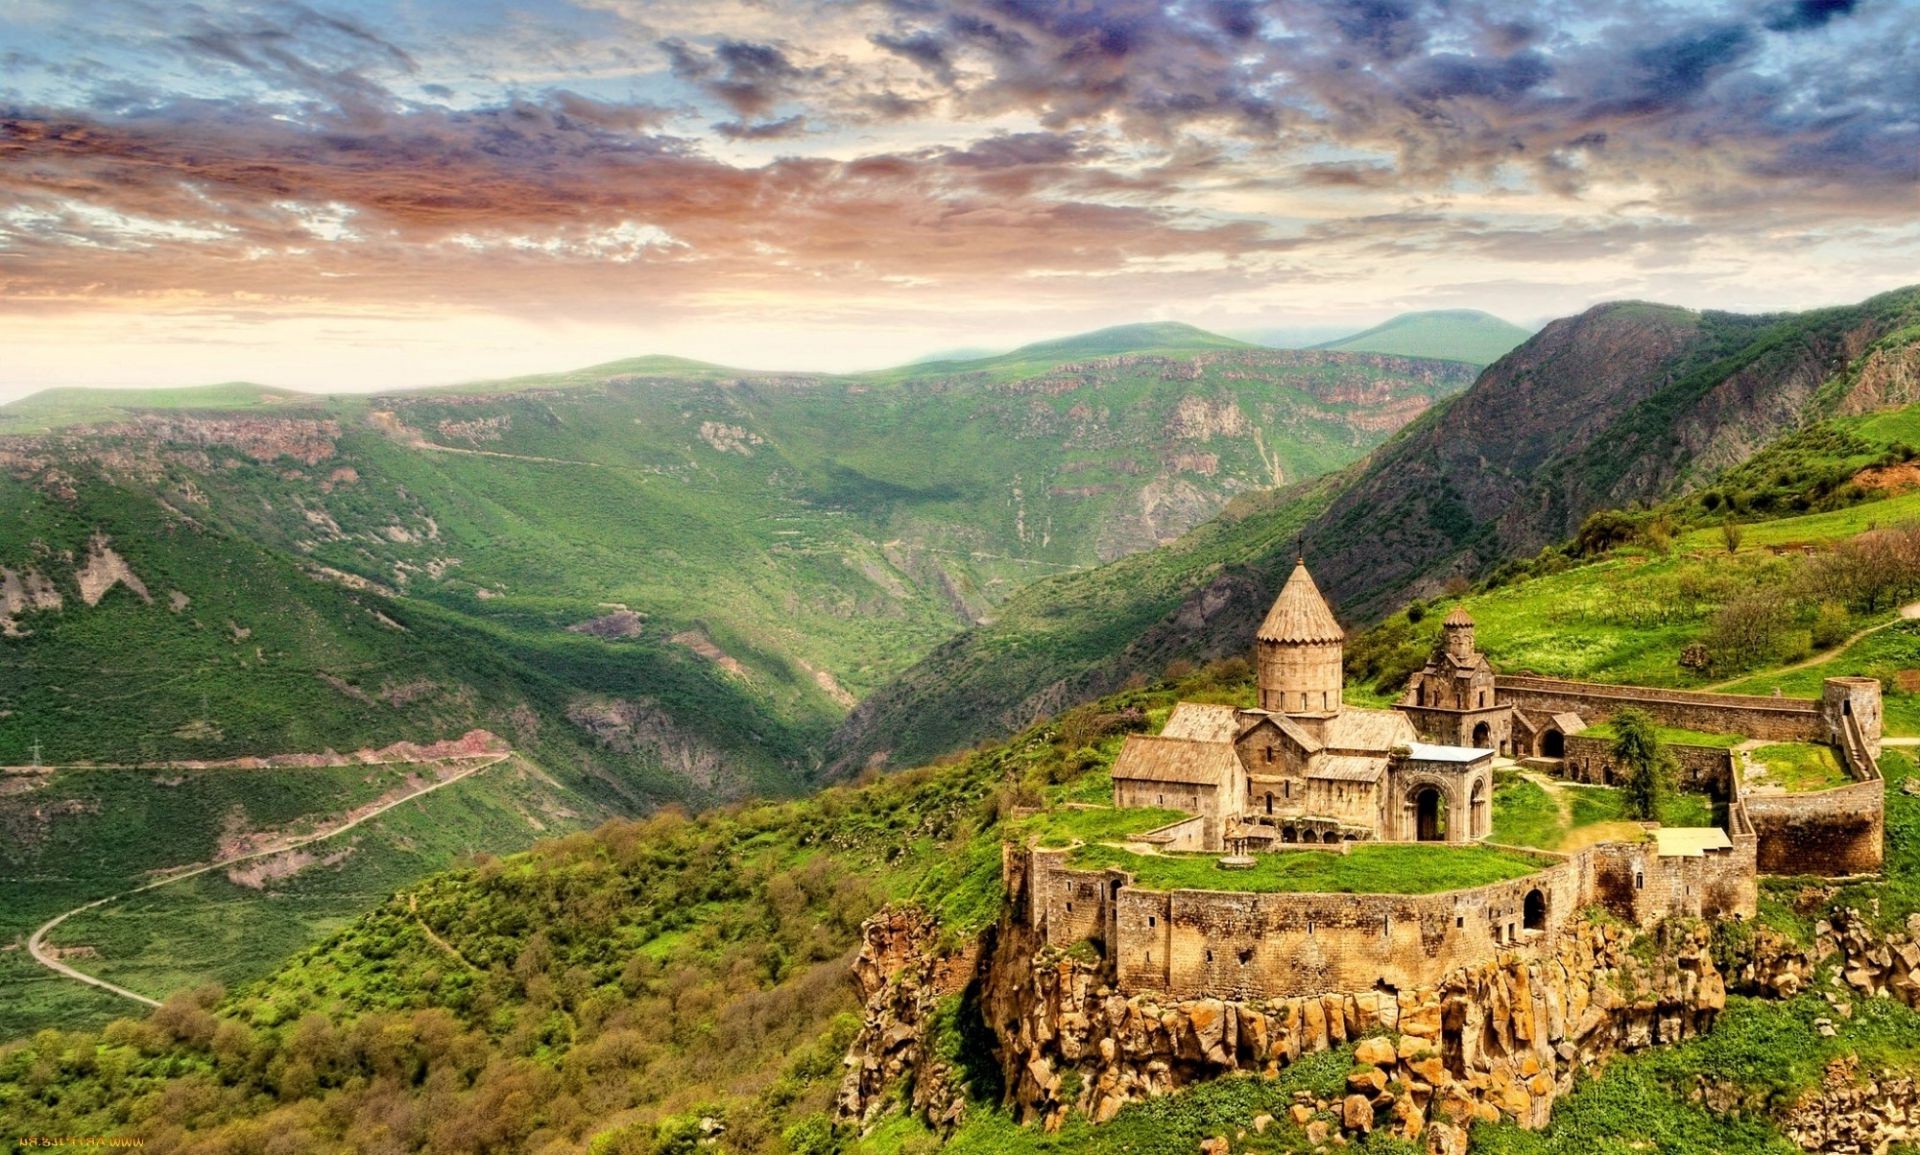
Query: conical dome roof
x=1300, y=614
x=1459, y=617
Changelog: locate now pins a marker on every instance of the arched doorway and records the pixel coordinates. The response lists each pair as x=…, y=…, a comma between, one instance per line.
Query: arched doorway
x=1477, y=810
x=1287, y=835
x=1330, y=837
x=1430, y=814
x=1533, y=911
x=1482, y=734
x=1553, y=744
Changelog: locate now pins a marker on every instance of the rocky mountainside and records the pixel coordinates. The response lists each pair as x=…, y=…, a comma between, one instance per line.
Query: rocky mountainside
x=681, y=569
x=1624, y=403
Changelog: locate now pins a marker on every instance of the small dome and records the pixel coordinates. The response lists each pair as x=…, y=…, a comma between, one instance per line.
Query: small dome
x=1300, y=614
x=1459, y=617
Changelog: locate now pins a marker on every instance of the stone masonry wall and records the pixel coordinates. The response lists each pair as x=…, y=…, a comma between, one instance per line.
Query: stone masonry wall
x=1775, y=719
x=1704, y=769
x=1501, y=1038
x=1830, y=832
x=1190, y=943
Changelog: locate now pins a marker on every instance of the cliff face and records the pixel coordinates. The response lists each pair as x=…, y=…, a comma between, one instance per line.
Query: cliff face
x=1493, y=1041
x=1503, y=1039
x=1623, y=403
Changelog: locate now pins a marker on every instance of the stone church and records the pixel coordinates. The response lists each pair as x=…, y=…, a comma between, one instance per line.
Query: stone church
x=1304, y=766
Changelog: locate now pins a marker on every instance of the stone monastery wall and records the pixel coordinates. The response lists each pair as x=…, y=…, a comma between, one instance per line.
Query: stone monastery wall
x=1774, y=719
x=1830, y=832
x=1702, y=769
x=1228, y=944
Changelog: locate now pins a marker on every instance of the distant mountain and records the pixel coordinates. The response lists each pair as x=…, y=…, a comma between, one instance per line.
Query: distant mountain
x=963, y=353
x=1624, y=403
x=1450, y=334
x=691, y=572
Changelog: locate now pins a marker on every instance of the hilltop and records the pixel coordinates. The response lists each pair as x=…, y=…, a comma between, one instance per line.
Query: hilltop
x=1450, y=334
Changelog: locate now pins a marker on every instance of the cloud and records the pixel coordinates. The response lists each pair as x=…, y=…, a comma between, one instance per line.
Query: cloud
x=295, y=153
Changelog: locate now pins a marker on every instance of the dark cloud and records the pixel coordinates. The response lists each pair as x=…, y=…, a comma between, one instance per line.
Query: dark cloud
x=786, y=128
x=747, y=77
x=1801, y=15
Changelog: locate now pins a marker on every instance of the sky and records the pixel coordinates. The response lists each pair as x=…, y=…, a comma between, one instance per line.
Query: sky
x=352, y=195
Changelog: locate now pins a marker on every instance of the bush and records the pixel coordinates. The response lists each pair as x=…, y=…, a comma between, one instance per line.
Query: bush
x=1831, y=626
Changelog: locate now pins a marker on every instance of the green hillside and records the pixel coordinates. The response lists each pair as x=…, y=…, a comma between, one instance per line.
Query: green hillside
x=609, y=992
x=1627, y=404
x=1450, y=334
x=758, y=551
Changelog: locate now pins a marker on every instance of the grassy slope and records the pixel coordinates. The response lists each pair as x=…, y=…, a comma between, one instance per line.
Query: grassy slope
x=846, y=539
x=627, y=983
x=1451, y=334
x=1461, y=488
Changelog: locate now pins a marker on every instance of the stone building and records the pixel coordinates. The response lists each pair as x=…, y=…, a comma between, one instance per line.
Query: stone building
x=1454, y=699
x=1305, y=766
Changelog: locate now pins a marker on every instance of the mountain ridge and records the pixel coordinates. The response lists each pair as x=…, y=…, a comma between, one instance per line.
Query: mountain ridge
x=1626, y=402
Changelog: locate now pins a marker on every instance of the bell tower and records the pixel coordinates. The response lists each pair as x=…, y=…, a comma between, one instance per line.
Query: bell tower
x=1459, y=631
x=1297, y=655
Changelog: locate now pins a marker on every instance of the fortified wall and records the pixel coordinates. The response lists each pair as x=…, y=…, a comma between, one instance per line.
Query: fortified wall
x=1834, y=832
x=1232, y=944
x=1774, y=719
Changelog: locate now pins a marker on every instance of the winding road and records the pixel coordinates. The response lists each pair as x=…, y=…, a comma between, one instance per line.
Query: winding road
x=36, y=944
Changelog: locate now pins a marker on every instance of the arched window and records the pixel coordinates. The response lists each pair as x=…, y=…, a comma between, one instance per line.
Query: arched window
x=1269, y=802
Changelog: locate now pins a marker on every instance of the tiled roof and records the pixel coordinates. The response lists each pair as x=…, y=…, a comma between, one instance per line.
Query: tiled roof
x=1300, y=614
x=1202, y=722
x=1358, y=728
x=1348, y=767
x=1459, y=617
x=1145, y=758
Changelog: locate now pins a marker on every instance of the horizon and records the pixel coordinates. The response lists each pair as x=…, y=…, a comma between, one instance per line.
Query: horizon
x=346, y=197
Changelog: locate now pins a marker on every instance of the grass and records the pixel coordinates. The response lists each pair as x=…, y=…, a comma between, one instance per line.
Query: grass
x=1670, y=736
x=86, y=834
x=1874, y=512
x=1524, y=814
x=1885, y=654
x=1801, y=766
x=1068, y=826
x=1369, y=868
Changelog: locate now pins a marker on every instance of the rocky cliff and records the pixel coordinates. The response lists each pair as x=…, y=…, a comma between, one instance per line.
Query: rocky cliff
x=1498, y=1040
x=1502, y=1040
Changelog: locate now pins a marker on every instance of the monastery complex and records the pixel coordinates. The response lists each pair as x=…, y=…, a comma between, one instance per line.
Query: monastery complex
x=1305, y=773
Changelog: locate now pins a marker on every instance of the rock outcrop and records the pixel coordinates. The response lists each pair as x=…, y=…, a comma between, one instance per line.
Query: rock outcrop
x=1500, y=1040
x=1851, y=1114
x=902, y=976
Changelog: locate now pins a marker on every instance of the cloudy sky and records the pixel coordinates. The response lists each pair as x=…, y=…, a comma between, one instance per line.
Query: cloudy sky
x=344, y=194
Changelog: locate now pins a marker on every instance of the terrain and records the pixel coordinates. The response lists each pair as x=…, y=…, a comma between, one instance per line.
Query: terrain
x=1625, y=405
x=654, y=582
x=768, y=546
x=660, y=983
x=1452, y=334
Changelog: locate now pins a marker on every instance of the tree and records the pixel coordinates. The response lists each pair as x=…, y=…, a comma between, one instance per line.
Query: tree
x=1731, y=532
x=1644, y=763
x=1750, y=629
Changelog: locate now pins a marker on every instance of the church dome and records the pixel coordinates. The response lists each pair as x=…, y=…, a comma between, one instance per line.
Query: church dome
x=1459, y=617
x=1300, y=615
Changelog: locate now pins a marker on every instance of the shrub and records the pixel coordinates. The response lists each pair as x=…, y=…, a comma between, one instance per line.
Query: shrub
x=1830, y=625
